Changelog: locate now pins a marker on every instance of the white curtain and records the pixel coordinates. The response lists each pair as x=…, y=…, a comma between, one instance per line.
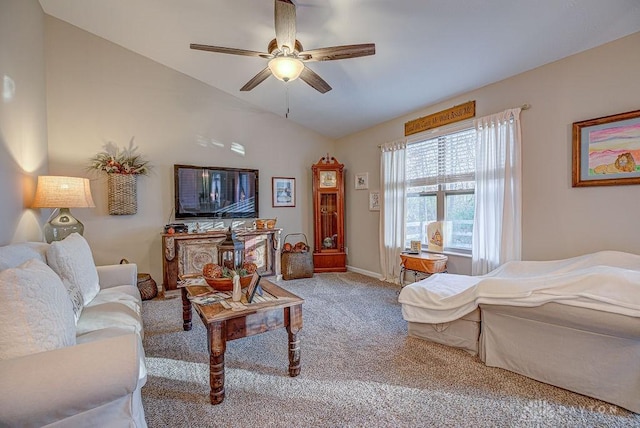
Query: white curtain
x=497, y=228
x=392, y=208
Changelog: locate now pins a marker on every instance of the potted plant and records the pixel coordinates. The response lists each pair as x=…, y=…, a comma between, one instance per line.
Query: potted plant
x=122, y=167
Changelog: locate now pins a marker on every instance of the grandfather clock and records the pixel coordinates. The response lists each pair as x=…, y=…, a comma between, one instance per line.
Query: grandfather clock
x=328, y=216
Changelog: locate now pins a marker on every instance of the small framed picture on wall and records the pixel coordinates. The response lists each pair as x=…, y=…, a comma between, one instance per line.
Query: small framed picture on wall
x=283, y=190
x=374, y=200
x=362, y=181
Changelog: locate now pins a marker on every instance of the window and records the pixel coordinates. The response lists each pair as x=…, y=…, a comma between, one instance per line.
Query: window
x=440, y=187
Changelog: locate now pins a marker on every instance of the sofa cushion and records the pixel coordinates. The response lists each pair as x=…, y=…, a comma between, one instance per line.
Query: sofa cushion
x=130, y=291
x=35, y=311
x=126, y=294
x=110, y=314
x=72, y=260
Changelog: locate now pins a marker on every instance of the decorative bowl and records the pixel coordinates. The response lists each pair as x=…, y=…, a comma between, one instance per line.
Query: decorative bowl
x=268, y=223
x=226, y=284
x=271, y=223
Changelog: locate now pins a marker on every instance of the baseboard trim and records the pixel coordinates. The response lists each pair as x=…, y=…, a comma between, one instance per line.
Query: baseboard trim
x=375, y=275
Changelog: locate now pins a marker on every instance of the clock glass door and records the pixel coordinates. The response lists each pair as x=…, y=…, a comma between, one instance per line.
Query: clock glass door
x=329, y=220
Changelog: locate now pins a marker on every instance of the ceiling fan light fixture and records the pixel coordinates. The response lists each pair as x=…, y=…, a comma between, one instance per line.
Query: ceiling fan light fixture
x=286, y=68
x=286, y=55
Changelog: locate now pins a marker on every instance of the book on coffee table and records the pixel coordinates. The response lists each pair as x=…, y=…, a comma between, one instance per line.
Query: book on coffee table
x=209, y=298
x=189, y=281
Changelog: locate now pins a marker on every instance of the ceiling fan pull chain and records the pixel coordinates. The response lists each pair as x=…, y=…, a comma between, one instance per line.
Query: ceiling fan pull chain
x=286, y=91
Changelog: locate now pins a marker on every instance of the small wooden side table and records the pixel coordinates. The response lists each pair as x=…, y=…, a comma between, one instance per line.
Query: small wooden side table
x=422, y=264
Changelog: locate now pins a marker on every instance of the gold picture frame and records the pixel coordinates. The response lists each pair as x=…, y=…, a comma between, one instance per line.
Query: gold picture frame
x=606, y=150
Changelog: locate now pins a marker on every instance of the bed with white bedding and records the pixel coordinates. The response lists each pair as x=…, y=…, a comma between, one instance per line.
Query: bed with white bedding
x=573, y=323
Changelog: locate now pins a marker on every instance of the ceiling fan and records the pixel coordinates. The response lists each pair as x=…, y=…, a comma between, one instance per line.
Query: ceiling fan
x=286, y=56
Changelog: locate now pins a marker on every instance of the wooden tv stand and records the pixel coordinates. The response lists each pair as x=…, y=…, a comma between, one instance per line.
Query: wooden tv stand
x=187, y=253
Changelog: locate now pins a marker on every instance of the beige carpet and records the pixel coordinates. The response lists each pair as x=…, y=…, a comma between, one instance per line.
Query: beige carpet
x=359, y=369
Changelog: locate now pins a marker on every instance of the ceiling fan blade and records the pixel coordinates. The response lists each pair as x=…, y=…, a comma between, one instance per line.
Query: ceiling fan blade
x=285, y=23
x=232, y=51
x=257, y=79
x=315, y=81
x=339, y=52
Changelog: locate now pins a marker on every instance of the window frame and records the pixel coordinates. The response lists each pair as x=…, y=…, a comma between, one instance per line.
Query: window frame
x=440, y=192
x=453, y=249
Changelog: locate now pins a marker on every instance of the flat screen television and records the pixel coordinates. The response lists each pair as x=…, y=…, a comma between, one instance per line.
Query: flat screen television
x=215, y=192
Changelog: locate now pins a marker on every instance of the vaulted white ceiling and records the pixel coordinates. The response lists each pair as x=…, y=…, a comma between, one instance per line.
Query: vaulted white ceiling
x=426, y=50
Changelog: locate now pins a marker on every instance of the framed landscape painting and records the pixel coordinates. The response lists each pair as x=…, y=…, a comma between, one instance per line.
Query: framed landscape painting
x=606, y=150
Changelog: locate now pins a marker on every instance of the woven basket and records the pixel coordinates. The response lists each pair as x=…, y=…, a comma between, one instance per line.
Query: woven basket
x=122, y=194
x=297, y=265
x=271, y=223
x=147, y=286
x=266, y=223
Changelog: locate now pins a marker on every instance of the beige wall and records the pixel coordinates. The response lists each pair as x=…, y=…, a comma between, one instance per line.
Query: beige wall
x=23, y=119
x=558, y=220
x=99, y=92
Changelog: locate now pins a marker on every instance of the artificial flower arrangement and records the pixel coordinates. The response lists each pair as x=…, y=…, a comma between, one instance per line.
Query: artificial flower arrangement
x=120, y=161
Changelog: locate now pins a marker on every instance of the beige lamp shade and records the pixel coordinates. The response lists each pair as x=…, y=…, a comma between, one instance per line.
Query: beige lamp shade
x=63, y=192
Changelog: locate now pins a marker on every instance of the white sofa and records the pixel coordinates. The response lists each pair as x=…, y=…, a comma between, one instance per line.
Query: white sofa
x=70, y=338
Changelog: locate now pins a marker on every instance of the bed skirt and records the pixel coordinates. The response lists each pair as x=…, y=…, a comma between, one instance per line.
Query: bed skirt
x=587, y=351
x=462, y=333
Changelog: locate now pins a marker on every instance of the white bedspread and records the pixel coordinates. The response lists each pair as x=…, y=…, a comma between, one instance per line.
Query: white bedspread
x=608, y=281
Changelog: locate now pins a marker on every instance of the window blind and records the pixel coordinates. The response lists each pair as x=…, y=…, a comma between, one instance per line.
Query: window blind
x=446, y=162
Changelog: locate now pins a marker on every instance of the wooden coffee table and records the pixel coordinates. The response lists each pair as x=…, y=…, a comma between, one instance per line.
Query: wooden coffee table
x=285, y=310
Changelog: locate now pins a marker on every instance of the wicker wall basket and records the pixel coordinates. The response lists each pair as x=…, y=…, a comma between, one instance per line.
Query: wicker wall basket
x=122, y=194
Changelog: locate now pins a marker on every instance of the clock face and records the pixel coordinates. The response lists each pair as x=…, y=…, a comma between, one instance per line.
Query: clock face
x=328, y=179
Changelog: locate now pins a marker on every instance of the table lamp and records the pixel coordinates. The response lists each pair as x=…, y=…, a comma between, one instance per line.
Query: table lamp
x=63, y=193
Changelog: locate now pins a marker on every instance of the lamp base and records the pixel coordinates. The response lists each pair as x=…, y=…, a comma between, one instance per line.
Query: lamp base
x=62, y=225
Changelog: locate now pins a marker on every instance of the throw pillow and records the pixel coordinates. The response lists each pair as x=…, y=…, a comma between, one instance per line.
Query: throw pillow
x=35, y=311
x=72, y=260
x=13, y=255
